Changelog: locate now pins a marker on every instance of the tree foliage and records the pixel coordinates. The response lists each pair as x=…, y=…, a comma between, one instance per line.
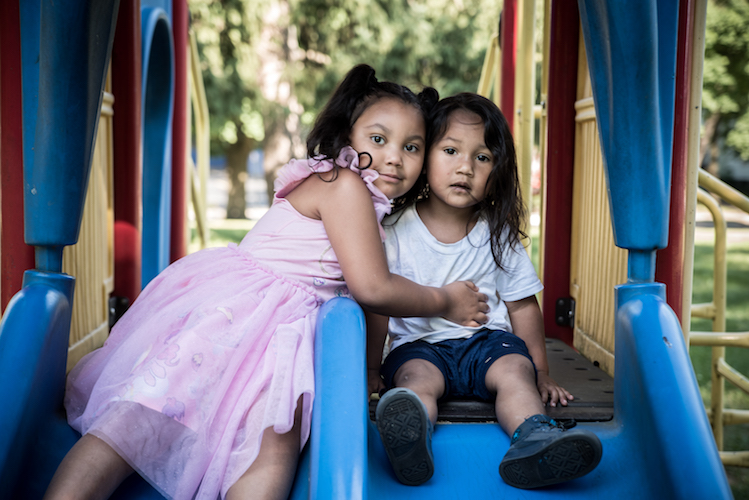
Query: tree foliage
x=226, y=32
x=438, y=43
x=270, y=65
x=725, y=97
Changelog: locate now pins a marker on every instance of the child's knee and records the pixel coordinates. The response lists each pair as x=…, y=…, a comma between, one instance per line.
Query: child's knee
x=418, y=372
x=510, y=368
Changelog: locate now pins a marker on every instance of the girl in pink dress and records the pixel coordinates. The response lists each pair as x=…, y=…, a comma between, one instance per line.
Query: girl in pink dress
x=205, y=386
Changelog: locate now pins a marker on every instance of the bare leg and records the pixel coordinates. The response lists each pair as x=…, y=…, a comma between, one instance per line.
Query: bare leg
x=425, y=380
x=272, y=473
x=91, y=470
x=513, y=379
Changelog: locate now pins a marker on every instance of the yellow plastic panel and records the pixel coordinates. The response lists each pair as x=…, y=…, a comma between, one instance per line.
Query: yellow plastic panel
x=91, y=260
x=597, y=264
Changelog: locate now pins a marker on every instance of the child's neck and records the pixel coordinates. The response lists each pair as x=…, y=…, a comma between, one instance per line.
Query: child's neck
x=447, y=224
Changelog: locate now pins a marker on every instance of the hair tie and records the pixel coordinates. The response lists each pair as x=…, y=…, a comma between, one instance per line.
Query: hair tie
x=360, y=162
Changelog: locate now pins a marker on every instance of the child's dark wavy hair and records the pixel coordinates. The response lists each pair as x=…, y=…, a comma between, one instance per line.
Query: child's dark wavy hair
x=357, y=92
x=502, y=206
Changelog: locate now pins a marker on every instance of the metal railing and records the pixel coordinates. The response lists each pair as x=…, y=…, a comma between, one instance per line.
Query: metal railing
x=491, y=71
x=200, y=170
x=715, y=310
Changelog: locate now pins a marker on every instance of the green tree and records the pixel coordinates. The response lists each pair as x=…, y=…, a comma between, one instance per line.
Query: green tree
x=725, y=96
x=226, y=31
x=270, y=65
x=438, y=43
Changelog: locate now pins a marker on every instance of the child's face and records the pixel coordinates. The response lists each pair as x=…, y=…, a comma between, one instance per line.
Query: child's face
x=393, y=133
x=459, y=163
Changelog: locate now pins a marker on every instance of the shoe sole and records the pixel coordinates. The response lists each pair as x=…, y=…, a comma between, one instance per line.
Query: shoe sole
x=403, y=429
x=568, y=457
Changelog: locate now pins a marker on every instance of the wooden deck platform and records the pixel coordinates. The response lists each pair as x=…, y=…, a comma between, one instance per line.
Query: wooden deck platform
x=592, y=387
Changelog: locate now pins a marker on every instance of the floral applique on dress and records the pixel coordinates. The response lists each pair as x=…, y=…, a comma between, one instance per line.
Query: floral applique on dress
x=174, y=409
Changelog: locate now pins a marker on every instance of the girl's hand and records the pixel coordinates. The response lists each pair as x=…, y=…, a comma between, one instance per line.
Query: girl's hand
x=465, y=304
x=552, y=392
x=375, y=384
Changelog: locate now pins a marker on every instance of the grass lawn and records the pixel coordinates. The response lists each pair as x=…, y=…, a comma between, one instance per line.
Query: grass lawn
x=737, y=319
x=736, y=437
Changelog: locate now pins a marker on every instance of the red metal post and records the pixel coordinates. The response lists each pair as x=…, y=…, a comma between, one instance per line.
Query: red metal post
x=669, y=264
x=178, y=239
x=15, y=255
x=508, y=43
x=128, y=157
x=565, y=22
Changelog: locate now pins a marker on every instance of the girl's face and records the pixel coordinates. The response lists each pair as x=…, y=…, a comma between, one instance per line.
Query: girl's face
x=393, y=133
x=460, y=163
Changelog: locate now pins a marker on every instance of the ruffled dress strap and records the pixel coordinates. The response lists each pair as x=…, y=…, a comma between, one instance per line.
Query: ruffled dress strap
x=294, y=172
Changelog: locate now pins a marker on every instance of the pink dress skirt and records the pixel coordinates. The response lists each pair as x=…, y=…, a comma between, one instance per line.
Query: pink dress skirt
x=215, y=350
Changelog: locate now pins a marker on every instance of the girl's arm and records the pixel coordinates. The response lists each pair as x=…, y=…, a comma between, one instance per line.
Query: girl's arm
x=527, y=323
x=377, y=330
x=345, y=208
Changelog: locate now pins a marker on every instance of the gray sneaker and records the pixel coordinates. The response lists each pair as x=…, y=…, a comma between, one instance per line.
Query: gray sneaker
x=542, y=452
x=406, y=433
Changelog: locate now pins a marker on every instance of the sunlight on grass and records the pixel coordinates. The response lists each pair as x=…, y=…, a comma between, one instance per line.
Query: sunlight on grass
x=737, y=314
x=222, y=232
x=736, y=437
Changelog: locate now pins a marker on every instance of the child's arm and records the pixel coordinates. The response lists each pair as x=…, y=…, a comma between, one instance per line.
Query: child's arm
x=377, y=330
x=345, y=208
x=527, y=323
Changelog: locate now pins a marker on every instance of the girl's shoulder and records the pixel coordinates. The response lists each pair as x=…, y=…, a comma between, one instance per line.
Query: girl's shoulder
x=297, y=171
x=350, y=187
x=325, y=181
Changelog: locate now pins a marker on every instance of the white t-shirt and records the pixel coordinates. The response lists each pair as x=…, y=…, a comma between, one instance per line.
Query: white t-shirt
x=414, y=253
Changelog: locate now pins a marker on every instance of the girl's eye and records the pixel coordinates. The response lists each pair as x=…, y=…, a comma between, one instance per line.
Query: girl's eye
x=484, y=158
x=378, y=139
x=411, y=148
x=450, y=151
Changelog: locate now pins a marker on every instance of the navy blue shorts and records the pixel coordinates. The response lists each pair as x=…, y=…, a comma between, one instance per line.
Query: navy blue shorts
x=463, y=362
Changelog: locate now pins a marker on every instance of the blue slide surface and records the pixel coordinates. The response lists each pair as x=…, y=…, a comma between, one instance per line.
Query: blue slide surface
x=659, y=444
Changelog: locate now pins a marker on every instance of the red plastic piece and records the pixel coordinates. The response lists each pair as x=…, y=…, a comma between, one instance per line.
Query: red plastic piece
x=15, y=255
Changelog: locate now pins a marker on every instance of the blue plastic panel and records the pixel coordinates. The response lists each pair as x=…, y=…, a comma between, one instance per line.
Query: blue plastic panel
x=657, y=396
x=158, y=102
x=165, y=5
x=65, y=51
x=33, y=352
x=339, y=464
x=631, y=49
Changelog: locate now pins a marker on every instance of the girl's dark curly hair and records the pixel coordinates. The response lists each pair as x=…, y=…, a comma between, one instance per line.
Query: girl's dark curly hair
x=502, y=206
x=357, y=92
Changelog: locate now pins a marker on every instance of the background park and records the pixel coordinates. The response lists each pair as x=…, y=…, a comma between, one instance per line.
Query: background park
x=607, y=102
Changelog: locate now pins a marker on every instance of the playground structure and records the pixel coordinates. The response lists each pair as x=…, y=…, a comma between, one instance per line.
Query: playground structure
x=658, y=443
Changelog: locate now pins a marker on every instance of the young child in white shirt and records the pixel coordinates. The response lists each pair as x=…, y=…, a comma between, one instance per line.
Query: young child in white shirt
x=462, y=221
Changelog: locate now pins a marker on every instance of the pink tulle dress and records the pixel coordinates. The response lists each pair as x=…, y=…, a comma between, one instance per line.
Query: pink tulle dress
x=217, y=348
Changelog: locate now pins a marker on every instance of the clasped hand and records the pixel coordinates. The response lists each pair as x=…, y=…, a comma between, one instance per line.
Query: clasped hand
x=466, y=305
